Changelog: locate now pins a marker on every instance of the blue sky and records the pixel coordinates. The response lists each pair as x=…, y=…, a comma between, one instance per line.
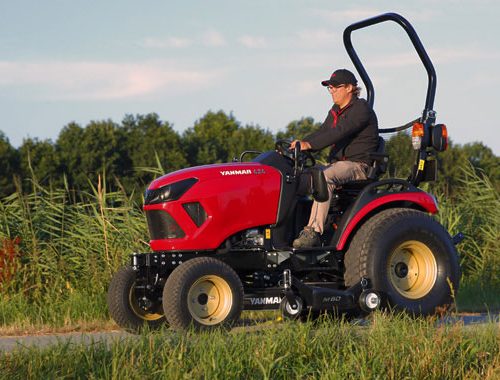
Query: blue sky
x=83, y=60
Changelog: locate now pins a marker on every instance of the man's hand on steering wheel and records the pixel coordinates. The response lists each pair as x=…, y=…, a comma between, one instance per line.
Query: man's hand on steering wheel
x=287, y=149
x=304, y=145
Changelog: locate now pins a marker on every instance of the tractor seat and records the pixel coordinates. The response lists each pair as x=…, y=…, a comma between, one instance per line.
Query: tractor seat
x=378, y=167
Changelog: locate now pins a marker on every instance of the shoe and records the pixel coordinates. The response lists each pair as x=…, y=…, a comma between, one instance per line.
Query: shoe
x=308, y=238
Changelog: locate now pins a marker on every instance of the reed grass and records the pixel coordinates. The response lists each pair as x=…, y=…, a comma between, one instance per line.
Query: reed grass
x=475, y=212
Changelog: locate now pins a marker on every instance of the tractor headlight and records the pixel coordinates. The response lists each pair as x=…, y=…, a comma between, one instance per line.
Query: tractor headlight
x=170, y=192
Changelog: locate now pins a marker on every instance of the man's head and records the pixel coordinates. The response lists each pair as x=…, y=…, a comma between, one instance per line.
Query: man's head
x=342, y=85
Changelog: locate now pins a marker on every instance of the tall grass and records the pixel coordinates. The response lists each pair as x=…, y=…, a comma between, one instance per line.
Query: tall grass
x=65, y=252
x=476, y=213
x=390, y=347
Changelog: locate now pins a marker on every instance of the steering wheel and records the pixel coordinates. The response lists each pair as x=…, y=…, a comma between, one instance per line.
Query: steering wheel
x=301, y=158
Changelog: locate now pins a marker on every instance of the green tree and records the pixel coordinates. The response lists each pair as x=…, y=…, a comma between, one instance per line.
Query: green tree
x=100, y=150
x=9, y=166
x=86, y=153
x=69, y=153
x=250, y=138
x=455, y=159
x=482, y=157
x=208, y=140
x=147, y=139
x=401, y=155
x=39, y=161
x=298, y=129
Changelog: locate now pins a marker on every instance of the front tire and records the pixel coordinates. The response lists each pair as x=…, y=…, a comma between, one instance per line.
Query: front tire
x=408, y=257
x=125, y=307
x=204, y=293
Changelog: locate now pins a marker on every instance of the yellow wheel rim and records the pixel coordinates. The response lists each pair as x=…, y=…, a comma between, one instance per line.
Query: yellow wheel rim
x=412, y=269
x=210, y=300
x=138, y=311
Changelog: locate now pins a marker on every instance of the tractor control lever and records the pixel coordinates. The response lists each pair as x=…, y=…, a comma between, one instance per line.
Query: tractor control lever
x=296, y=153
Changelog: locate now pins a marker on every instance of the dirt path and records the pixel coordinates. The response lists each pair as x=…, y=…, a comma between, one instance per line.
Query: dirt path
x=9, y=343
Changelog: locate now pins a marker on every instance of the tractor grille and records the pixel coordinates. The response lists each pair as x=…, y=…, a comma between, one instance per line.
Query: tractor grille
x=196, y=211
x=162, y=226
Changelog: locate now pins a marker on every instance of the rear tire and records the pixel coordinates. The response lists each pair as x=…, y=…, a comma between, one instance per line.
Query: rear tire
x=124, y=307
x=409, y=258
x=204, y=293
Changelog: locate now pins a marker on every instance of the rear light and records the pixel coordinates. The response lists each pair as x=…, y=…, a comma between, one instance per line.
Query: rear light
x=440, y=137
x=417, y=133
x=196, y=211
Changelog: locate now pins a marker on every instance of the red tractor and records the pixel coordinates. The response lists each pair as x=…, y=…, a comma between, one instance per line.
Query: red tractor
x=221, y=235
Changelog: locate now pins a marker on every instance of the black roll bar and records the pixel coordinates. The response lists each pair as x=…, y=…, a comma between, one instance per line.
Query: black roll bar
x=405, y=24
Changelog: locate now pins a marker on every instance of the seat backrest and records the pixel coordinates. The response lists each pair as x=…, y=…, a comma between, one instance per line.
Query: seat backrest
x=380, y=160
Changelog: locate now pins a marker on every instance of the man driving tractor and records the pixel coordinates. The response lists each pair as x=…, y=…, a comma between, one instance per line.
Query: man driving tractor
x=351, y=129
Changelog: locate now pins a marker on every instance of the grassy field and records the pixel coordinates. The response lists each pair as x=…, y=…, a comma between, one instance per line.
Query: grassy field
x=389, y=347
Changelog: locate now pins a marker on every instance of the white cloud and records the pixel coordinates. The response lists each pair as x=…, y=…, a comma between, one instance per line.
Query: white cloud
x=463, y=54
x=358, y=14
x=339, y=16
x=317, y=37
x=437, y=56
x=253, y=42
x=58, y=80
x=212, y=38
x=168, y=42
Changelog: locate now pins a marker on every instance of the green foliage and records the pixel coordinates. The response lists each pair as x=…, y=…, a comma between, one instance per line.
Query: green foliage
x=250, y=138
x=208, y=141
x=9, y=165
x=69, y=153
x=451, y=163
x=401, y=156
x=298, y=129
x=474, y=212
x=147, y=140
x=66, y=244
x=40, y=160
x=218, y=137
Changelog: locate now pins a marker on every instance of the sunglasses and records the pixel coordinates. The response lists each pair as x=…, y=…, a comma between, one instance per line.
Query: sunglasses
x=330, y=88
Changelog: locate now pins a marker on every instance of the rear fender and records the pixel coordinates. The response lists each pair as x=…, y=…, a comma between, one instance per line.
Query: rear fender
x=363, y=209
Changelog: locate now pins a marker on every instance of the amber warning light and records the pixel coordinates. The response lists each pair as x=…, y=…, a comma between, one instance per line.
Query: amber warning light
x=417, y=133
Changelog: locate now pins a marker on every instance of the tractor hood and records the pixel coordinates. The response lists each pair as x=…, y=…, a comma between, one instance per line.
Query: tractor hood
x=228, y=198
x=213, y=171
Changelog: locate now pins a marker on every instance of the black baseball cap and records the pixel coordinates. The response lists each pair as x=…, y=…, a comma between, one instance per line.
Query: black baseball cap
x=341, y=76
